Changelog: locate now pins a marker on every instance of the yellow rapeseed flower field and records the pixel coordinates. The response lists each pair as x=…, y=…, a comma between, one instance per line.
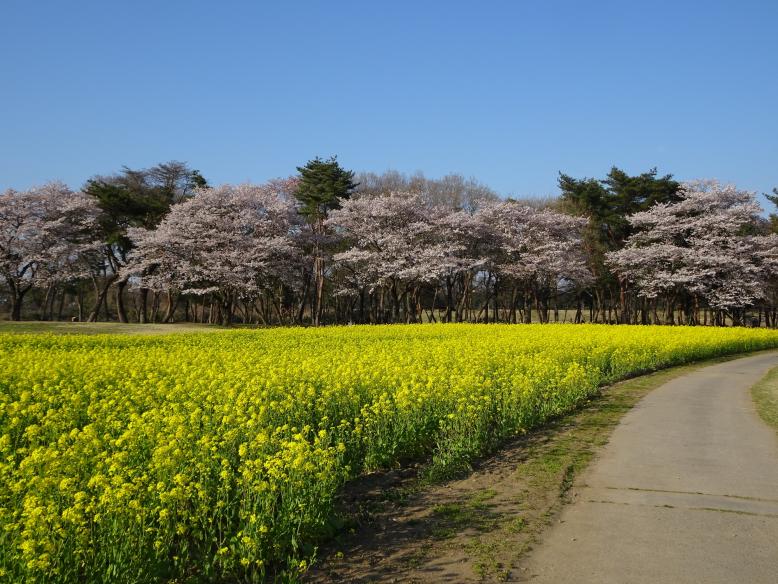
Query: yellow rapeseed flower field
x=210, y=456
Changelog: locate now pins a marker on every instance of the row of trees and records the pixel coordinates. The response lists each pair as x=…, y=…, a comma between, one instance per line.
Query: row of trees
x=326, y=246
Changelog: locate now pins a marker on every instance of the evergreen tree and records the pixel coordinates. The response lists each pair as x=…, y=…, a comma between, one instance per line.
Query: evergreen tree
x=135, y=198
x=773, y=216
x=323, y=184
x=607, y=203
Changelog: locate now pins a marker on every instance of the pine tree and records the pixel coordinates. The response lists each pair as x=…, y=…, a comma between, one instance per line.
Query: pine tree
x=773, y=216
x=323, y=184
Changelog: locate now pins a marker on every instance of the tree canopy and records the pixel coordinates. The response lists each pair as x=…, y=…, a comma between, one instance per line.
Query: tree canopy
x=609, y=201
x=323, y=185
x=329, y=246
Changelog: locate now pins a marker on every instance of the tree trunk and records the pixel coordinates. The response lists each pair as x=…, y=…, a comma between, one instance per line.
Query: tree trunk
x=17, y=297
x=276, y=305
x=303, y=298
x=449, y=299
x=513, y=305
x=395, y=303
x=464, y=299
x=61, y=306
x=578, y=309
x=318, y=273
x=596, y=305
x=44, y=313
x=258, y=310
x=495, y=295
x=101, y=296
x=556, y=304
x=154, y=307
x=527, y=307
x=541, y=305
x=172, y=304
x=121, y=311
x=670, y=311
x=80, y=303
x=319, y=289
x=144, y=301
x=487, y=298
x=432, y=308
x=625, y=317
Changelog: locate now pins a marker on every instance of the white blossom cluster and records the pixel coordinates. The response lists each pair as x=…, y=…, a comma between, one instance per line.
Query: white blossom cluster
x=701, y=245
x=233, y=241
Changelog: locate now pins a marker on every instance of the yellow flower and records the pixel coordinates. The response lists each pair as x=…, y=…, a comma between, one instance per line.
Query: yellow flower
x=246, y=433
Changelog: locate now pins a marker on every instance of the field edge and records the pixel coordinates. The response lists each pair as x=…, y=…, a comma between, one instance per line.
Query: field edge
x=397, y=524
x=765, y=397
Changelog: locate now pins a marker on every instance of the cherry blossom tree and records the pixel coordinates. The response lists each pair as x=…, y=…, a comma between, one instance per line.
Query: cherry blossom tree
x=471, y=242
x=767, y=257
x=537, y=250
x=697, y=249
x=395, y=247
x=452, y=191
x=45, y=234
x=229, y=242
x=132, y=198
x=400, y=244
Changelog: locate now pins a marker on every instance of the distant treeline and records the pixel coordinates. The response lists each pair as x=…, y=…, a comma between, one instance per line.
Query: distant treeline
x=326, y=246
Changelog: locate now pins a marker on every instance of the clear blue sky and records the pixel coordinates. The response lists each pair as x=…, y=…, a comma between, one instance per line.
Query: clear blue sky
x=508, y=92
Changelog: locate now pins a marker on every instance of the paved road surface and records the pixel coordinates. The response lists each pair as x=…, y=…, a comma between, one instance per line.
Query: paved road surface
x=686, y=491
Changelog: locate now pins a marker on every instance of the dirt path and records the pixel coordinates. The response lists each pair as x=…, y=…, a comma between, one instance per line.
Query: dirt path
x=685, y=491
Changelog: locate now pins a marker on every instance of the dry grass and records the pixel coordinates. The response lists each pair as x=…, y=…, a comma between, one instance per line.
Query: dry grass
x=96, y=328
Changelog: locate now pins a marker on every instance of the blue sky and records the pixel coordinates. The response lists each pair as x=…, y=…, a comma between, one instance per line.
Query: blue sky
x=507, y=92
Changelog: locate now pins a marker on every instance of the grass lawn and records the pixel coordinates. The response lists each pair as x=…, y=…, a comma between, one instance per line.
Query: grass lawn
x=765, y=394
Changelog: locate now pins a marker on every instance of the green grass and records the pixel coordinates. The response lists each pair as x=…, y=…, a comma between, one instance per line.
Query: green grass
x=473, y=512
x=765, y=394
